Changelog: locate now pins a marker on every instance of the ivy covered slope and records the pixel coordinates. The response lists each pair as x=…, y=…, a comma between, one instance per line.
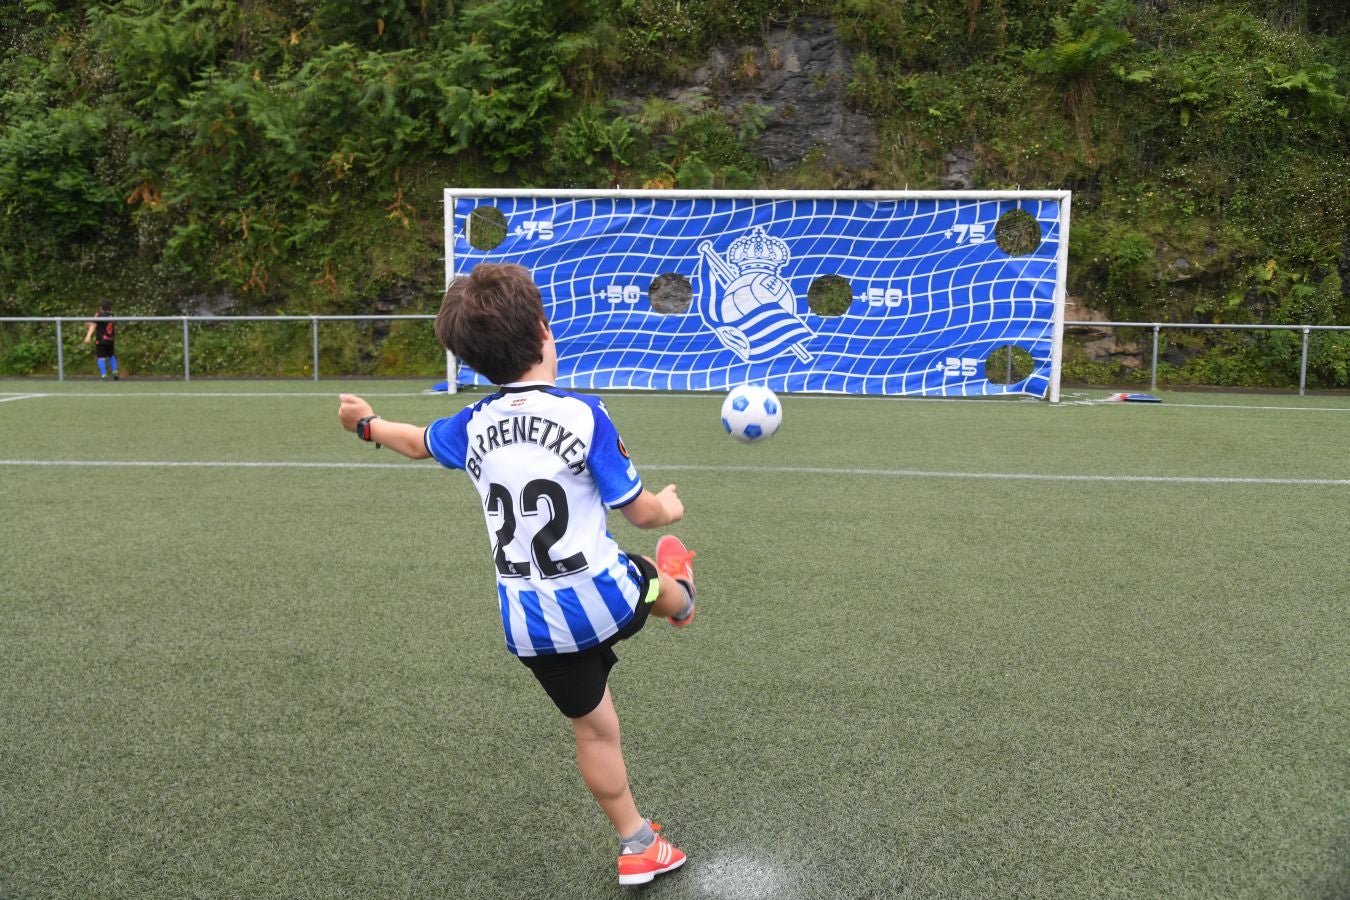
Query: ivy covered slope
x=288, y=155
x=1206, y=144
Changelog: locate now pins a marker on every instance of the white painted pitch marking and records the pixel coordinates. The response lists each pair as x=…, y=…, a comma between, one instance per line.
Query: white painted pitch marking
x=428, y=466
x=1276, y=408
x=205, y=464
x=1341, y=409
x=742, y=875
x=468, y=397
x=162, y=395
x=5, y=398
x=1005, y=476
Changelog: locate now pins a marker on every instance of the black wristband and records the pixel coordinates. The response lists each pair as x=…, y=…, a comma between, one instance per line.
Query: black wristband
x=363, y=428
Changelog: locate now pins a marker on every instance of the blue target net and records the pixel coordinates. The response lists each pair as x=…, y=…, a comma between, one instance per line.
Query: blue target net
x=933, y=302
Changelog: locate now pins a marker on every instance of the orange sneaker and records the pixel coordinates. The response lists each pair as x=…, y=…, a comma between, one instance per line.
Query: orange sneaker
x=661, y=857
x=673, y=558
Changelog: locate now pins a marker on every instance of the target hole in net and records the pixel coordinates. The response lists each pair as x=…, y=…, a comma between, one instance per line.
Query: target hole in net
x=670, y=294
x=485, y=228
x=1017, y=233
x=1008, y=364
x=830, y=295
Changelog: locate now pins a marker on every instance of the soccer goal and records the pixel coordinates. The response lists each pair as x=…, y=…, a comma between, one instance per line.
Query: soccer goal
x=925, y=293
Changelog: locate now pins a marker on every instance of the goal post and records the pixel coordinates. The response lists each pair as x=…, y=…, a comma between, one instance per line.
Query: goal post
x=922, y=293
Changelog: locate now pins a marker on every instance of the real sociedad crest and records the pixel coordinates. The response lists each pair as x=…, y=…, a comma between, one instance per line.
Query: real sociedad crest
x=745, y=303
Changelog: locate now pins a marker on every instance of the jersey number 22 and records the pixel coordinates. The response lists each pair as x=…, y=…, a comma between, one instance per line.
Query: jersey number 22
x=539, y=497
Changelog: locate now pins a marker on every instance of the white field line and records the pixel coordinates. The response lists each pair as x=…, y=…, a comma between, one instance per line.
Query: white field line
x=161, y=395
x=1239, y=406
x=1341, y=409
x=466, y=397
x=1000, y=476
x=5, y=398
x=745, y=470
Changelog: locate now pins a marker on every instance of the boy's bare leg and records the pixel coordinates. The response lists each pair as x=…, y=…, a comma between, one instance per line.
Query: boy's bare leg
x=600, y=759
x=672, y=599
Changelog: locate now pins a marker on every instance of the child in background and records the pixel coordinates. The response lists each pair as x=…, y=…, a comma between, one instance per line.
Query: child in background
x=101, y=328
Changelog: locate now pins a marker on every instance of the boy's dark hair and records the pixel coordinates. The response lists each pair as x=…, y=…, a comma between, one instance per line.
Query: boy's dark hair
x=492, y=319
x=105, y=306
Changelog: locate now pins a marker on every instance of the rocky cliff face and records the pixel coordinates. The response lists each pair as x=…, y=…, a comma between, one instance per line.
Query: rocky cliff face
x=795, y=83
x=802, y=77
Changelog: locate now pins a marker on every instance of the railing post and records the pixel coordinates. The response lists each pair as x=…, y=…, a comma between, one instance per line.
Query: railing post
x=187, y=353
x=60, y=354
x=1153, y=377
x=314, y=334
x=1303, y=364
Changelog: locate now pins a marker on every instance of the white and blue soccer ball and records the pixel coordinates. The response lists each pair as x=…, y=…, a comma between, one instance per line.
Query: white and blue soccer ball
x=751, y=413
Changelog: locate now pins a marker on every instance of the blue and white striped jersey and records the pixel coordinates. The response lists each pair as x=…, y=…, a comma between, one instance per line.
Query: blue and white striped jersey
x=547, y=464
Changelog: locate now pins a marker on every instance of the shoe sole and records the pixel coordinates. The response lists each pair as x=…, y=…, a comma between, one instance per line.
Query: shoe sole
x=645, y=877
x=680, y=623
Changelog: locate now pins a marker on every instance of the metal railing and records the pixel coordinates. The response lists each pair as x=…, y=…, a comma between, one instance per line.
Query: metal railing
x=186, y=320
x=1155, y=327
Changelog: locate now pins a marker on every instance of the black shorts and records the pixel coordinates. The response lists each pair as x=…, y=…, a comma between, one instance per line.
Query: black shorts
x=575, y=682
x=103, y=349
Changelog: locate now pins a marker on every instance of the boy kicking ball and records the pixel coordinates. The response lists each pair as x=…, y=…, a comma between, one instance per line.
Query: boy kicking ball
x=548, y=464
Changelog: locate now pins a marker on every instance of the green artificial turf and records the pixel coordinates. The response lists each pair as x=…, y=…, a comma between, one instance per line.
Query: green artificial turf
x=943, y=649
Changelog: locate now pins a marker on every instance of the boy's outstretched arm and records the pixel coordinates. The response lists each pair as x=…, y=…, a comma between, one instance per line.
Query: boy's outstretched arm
x=654, y=510
x=397, y=436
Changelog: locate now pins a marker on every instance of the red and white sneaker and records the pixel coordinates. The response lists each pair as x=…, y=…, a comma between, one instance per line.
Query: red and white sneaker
x=674, y=558
x=661, y=857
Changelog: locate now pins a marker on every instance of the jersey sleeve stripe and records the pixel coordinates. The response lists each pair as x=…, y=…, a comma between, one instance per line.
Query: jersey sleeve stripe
x=627, y=498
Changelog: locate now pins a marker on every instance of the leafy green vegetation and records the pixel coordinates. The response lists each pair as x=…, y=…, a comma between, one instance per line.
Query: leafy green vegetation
x=288, y=156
